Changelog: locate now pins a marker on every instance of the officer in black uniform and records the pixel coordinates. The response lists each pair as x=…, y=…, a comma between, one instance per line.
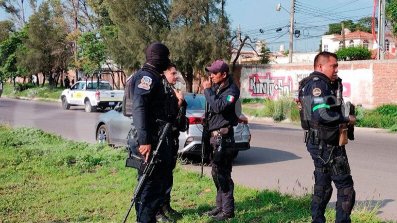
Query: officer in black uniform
x=176, y=114
x=222, y=97
x=323, y=101
x=148, y=98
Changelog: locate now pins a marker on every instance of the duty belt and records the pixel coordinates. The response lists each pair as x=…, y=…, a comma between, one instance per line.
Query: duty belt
x=219, y=132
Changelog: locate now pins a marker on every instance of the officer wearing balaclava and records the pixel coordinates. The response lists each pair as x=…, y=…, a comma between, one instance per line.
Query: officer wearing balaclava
x=147, y=102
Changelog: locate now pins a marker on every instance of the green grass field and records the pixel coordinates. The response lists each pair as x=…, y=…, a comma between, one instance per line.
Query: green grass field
x=44, y=178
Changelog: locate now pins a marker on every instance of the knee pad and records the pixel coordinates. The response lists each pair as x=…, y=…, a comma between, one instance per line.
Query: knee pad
x=340, y=166
x=322, y=194
x=347, y=198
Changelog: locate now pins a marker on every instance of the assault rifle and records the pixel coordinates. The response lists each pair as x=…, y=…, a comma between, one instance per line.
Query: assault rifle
x=205, y=137
x=149, y=167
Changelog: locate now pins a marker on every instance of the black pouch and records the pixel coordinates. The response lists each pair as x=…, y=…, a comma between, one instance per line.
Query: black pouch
x=330, y=135
x=135, y=162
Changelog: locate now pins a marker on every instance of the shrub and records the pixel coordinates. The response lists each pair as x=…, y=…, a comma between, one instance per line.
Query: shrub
x=23, y=86
x=353, y=53
x=384, y=116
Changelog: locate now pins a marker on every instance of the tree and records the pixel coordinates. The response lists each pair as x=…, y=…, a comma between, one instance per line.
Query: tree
x=8, y=55
x=199, y=34
x=137, y=23
x=92, y=52
x=363, y=24
x=391, y=13
x=47, y=50
x=353, y=53
x=6, y=28
x=265, y=55
x=16, y=9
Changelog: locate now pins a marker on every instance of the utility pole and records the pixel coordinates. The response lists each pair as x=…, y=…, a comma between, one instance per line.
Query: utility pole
x=381, y=29
x=343, y=36
x=291, y=31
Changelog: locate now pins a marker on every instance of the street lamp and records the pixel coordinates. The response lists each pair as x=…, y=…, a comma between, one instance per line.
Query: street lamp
x=291, y=27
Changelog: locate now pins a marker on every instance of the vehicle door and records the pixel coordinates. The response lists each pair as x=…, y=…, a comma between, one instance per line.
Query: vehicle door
x=119, y=126
x=77, y=93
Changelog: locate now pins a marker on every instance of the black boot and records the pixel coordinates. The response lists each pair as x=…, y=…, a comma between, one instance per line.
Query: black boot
x=161, y=217
x=213, y=212
x=223, y=216
x=167, y=209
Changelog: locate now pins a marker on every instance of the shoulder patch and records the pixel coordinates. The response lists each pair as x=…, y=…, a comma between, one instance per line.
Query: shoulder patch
x=316, y=92
x=230, y=98
x=145, y=83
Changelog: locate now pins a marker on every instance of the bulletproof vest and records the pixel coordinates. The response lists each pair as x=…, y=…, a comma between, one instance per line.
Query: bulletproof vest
x=127, y=98
x=171, y=104
x=305, y=101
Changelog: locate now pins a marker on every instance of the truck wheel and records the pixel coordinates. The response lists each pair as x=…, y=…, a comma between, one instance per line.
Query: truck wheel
x=102, y=134
x=88, y=107
x=65, y=104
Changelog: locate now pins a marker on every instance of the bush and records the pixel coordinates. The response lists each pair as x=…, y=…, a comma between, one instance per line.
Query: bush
x=353, y=53
x=23, y=86
x=384, y=116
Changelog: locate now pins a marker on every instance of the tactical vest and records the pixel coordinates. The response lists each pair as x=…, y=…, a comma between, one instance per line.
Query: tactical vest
x=305, y=101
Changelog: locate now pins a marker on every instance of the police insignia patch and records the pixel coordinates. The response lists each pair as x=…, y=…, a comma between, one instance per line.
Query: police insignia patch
x=316, y=92
x=145, y=83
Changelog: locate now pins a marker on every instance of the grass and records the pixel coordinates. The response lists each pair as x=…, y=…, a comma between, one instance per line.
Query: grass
x=44, y=178
x=42, y=93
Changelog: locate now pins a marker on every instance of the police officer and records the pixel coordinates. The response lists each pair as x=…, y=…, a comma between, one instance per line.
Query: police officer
x=148, y=96
x=323, y=101
x=221, y=97
x=176, y=114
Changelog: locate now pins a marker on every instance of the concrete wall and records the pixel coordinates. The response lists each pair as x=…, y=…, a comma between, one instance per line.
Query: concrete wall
x=369, y=83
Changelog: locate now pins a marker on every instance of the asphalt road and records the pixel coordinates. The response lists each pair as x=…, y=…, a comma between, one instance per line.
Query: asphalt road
x=277, y=160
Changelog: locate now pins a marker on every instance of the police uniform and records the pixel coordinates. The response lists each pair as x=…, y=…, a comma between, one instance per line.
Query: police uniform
x=148, y=98
x=222, y=118
x=324, y=99
x=176, y=115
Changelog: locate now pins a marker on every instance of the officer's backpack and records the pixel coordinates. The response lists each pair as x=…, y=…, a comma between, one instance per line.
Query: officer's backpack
x=127, y=99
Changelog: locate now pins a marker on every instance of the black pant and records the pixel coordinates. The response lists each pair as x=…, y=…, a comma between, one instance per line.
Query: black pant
x=221, y=173
x=331, y=165
x=174, y=142
x=152, y=196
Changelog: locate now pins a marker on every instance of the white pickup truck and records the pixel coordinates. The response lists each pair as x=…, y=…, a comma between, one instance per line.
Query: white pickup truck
x=92, y=94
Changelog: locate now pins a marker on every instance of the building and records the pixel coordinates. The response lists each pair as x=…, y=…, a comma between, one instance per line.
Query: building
x=332, y=43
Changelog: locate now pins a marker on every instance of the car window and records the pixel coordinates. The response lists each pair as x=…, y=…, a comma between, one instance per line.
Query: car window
x=195, y=102
x=78, y=86
x=102, y=86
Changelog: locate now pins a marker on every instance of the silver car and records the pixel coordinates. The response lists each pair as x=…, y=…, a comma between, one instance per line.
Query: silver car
x=113, y=127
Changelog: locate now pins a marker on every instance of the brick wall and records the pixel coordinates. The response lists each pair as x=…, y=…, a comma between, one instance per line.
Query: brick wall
x=370, y=83
x=385, y=82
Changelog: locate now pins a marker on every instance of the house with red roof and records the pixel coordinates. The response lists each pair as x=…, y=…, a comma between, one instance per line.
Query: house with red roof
x=332, y=43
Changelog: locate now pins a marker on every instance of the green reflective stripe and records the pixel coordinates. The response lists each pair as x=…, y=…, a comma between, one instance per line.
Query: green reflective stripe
x=321, y=106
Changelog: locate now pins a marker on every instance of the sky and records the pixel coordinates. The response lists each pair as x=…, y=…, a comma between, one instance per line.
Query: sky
x=311, y=18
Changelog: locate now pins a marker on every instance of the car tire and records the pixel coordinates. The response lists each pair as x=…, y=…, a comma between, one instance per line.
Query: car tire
x=65, y=104
x=102, y=134
x=88, y=107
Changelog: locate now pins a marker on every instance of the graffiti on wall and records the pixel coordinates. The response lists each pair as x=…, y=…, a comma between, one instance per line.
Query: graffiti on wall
x=268, y=86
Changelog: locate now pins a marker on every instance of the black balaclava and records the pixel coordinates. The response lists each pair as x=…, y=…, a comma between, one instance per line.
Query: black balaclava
x=157, y=55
